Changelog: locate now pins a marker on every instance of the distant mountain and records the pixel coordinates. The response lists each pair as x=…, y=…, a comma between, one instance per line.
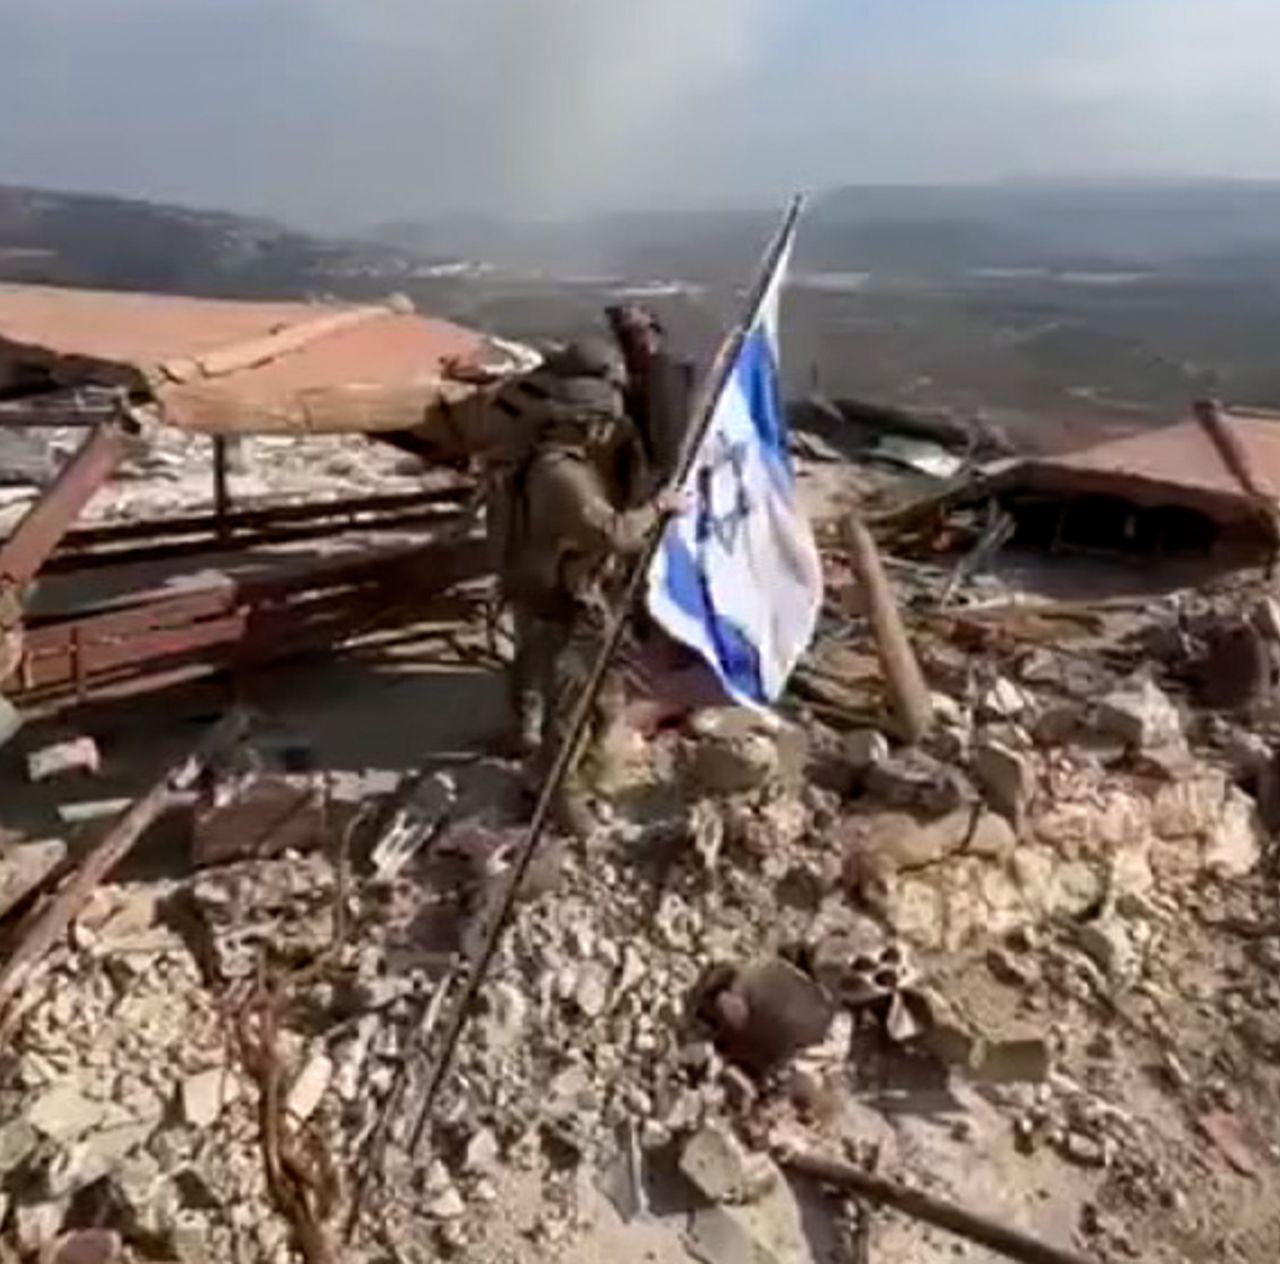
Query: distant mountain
x=896, y=230
x=118, y=243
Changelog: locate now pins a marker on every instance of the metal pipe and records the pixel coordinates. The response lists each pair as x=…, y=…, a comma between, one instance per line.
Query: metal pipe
x=1011, y=1243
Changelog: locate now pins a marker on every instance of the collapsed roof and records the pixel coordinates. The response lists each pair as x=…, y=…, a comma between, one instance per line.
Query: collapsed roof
x=1178, y=465
x=214, y=365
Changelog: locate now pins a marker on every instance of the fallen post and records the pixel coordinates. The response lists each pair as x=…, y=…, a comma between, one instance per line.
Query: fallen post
x=38, y=934
x=1011, y=1243
x=908, y=693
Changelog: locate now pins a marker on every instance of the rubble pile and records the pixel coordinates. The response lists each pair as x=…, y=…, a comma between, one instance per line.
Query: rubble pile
x=789, y=933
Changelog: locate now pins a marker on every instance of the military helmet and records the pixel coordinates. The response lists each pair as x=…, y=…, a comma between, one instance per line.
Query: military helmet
x=588, y=358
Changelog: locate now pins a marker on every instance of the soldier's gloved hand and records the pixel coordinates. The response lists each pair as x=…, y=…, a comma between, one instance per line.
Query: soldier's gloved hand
x=674, y=502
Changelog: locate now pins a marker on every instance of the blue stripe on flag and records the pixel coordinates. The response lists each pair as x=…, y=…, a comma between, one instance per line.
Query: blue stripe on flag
x=757, y=374
x=687, y=585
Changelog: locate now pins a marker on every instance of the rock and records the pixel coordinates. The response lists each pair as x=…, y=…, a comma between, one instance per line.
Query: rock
x=992, y=836
x=481, y=1153
x=767, y=1231
x=591, y=990
x=24, y=866
x=63, y=1113
x=735, y=751
x=310, y=1086
x=1002, y=700
x=1233, y=846
x=36, y=1225
x=897, y=842
x=1188, y=808
x=80, y=754
x=864, y=748
x=1083, y=1150
x=1007, y=777
x=1014, y=1062
x=718, y=1164
x=1004, y=969
x=441, y=1200
x=1266, y=618
x=1142, y=716
x=915, y=780
x=502, y=1025
x=1109, y=943
x=88, y=1246
x=1058, y=724
x=205, y=1094
x=17, y=1139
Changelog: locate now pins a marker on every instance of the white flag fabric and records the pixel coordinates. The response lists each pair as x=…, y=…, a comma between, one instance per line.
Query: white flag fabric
x=738, y=578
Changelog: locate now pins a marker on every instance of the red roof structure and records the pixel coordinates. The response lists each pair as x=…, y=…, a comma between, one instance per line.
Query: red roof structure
x=215, y=366
x=1175, y=465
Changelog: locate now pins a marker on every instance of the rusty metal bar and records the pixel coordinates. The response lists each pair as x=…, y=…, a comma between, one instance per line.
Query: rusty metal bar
x=127, y=543
x=221, y=491
x=296, y=607
x=44, y=524
x=1011, y=1243
x=41, y=930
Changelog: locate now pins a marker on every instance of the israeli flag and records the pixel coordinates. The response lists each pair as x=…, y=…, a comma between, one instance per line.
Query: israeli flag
x=738, y=578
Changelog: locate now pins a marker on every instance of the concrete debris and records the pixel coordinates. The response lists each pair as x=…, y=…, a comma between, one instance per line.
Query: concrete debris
x=24, y=866
x=799, y=933
x=1142, y=716
x=1006, y=775
x=734, y=752
x=80, y=754
x=306, y=1092
x=723, y=1170
x=205, y=1095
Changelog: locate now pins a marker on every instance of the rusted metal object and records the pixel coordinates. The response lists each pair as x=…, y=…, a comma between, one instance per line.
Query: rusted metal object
x=47, y=923
x=163, y=638
x=908, y=694
x=1014, y=1244
x=189, y=535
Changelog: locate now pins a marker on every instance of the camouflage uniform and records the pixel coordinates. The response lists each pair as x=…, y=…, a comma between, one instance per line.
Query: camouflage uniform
x=561, y=534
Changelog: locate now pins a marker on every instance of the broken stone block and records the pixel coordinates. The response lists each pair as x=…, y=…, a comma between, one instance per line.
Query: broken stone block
x=481, y=1154
x=63, y=1113
x=722, y=1168
x=914, y=780
x=80, y=754
x=863, y=749
x=205, y=1095
x=1083, y=1150
x=441, y=1200
x=735, y=751
x=1142, y=716
x=1007, y=777
x=992, y=836
x=24, y=866
x=36, y=1225
x=767, y=1231
x=1003, y=700
x=897, y=842
x=88, y=1246
x=17, y=1139
x=1109, y=943
x=1058, y=724
x=1233, y=845
x=1189, y=808
x=310, y=1086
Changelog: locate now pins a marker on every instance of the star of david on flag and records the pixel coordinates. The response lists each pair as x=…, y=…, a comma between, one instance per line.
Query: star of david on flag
x=738, y=577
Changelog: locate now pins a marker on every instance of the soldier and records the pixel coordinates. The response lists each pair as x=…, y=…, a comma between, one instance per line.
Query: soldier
x=562, y=531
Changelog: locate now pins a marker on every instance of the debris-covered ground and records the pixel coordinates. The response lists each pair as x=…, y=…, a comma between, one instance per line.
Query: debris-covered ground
x=1027, y=965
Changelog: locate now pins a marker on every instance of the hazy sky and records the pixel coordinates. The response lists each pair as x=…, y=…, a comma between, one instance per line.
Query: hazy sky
x=349, y=112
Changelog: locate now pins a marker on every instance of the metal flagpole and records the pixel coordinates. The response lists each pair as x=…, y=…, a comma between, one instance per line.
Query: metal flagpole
x=716, y=381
